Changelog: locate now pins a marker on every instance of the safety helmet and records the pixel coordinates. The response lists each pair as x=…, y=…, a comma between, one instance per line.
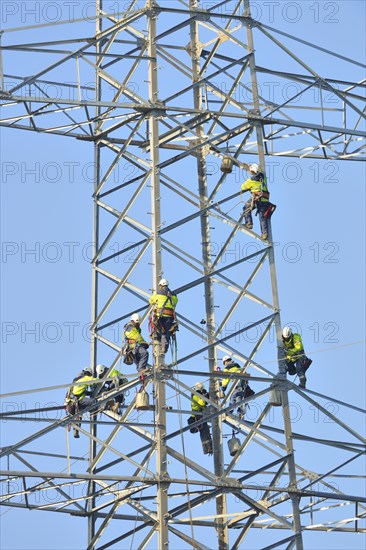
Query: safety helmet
x=100, y=370
x=254, y=168
x=226, y=358
x=198, y=386
x=135, y=317
x=286, y=333
x=88, y=371
x=163, y=282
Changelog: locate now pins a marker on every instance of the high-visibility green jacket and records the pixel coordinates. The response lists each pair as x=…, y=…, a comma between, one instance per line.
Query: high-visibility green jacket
x=197, y=403
x=114, y=373
x=80, y=390
x=165, y=302
x=133, y=335
x=257, y=185
x=232, y=367
x=293, y=347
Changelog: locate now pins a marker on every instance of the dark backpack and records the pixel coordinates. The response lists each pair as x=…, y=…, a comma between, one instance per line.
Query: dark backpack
x=248, y=391
x=127, y=355
x=190, y=421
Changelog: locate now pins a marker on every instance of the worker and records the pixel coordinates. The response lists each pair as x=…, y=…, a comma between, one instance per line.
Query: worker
x=198, y=405
x=78, y=397
x=259, y=199
x=242, y=388
x=163, y=318
x=85, y=372
x=135, y=342
x=296, y=360
x=114, y=384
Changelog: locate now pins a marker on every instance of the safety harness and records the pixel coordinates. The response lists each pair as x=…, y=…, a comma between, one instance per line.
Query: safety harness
x=256, y=198
x=154, y=321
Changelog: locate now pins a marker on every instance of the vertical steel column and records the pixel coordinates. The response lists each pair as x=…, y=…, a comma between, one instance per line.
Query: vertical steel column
x=218, y=455
x=260, y=145
x=94, y=300
x=159, y=384
x=281, y=363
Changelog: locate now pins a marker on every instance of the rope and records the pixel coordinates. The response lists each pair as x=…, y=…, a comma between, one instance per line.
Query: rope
x=235, y=205
x=68, y=449
x=174, y=350
x=179, y=404
x=139, y=501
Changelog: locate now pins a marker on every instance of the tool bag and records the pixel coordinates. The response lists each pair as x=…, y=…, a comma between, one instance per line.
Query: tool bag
x=190, y=421
x=269, y=210
x=248, y=392
x=127, y=353
x=291, y=369
x=71, y=403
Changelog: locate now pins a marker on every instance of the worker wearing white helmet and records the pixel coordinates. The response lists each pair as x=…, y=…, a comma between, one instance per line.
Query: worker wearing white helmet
x=257, y=185
x=87, y=371
x=80, y=396
x=163, y=318
x=242, y=388
x=296, y=360
x=198, y=404
x=135, y=342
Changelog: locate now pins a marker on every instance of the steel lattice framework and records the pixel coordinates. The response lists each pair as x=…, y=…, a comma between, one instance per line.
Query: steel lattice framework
x=170, y=127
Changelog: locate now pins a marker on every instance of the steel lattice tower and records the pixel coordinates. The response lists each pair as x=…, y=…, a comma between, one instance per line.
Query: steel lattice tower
x=170, y=129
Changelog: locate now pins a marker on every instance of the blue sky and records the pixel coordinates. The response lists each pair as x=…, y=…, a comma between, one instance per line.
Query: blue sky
x=46, y=234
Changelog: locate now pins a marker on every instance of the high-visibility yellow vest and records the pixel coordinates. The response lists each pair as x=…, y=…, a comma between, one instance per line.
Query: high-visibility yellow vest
x=82, y=385
x=133, y=334
x=257, y=185
x=234, y=367
x=294, y=347
x=164, y=304
x=197, y=403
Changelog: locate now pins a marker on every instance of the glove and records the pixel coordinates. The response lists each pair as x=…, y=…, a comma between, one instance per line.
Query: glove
x=288, y=357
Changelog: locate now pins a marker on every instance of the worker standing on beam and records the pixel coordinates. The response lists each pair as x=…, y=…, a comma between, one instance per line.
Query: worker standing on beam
x=198, y=405
x=257, y=185
x=117, y=381
x=135, y=343
x=78, y=396
x=242, y=388
x=296, y=360
x=163, y=319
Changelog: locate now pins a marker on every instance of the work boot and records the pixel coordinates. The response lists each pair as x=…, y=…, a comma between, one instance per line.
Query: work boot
x=248, y=225
x=302, y=379
x=264, y=236
x=76, y=434
x=241, y=413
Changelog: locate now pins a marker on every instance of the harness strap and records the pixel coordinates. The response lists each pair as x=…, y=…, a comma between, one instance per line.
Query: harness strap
x=168, y=311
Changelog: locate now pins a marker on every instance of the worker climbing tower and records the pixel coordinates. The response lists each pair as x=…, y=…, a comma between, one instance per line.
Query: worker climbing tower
x=176, y=111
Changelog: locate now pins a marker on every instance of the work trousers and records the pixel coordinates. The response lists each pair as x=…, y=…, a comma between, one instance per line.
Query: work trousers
x=140, y=357
x=262, y=207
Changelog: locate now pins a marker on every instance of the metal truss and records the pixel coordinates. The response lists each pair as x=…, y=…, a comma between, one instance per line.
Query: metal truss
x=176, y=89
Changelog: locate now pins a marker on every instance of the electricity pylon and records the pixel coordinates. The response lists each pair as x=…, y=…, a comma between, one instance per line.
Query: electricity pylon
x=177, y=90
